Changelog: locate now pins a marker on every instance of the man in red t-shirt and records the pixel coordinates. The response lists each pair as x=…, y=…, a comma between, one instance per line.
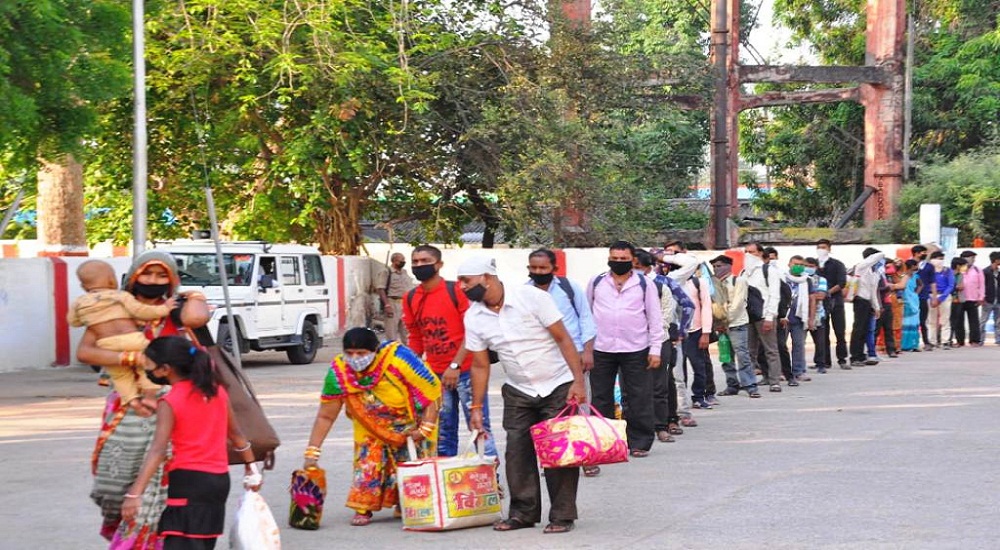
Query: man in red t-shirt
x=434, y=317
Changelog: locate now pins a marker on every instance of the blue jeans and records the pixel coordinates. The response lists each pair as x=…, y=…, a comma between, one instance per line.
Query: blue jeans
x=448, y=417
x=798, y=331
x=739, y=374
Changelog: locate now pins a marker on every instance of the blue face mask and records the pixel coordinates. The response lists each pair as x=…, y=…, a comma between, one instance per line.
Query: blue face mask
x=810, y=271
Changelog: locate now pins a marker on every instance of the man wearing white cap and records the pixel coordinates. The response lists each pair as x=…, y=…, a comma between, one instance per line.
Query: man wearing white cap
x=523, y=325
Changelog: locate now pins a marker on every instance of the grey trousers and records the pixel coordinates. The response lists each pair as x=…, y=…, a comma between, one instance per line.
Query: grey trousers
x=769, y=341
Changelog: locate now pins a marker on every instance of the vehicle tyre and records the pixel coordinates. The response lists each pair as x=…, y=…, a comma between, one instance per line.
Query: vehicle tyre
x=305, y=352
x=226, y=339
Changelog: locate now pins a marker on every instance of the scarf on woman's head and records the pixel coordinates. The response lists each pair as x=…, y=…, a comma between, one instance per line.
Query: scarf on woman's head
x=152, y=257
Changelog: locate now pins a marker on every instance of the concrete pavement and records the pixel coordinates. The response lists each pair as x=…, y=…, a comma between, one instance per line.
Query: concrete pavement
x=900, y=455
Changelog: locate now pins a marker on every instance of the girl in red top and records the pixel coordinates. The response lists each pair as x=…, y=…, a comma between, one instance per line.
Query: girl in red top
x=195, y=417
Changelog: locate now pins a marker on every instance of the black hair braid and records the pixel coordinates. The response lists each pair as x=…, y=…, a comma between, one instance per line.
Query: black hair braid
x=188, y=362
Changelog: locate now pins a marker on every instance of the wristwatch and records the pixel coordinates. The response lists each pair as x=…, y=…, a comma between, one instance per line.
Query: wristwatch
x=454, y=366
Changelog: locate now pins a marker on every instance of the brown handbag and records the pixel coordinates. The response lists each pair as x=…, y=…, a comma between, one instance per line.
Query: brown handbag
x=249, y=414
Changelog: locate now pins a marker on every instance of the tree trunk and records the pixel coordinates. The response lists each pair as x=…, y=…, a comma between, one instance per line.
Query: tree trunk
x=338, y=228
x=61, y=229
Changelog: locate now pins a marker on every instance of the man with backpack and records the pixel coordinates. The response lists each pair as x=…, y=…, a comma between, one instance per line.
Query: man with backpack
x=434, y=316
x=866, y=302
x=569, y=298
x=629, y=336
x=773, y=271
x=763, y=296
x=818, y=286
x=801, y=316
x=698, y=337
x=835, y=273
x=677, y=311
x=739, y=371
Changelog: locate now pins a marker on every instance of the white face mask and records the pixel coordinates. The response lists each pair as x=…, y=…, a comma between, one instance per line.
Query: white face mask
x=750, y=261
x=360, y=362
x=823, y=254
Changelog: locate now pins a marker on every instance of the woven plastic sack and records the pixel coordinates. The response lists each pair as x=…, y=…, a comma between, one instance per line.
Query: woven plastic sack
x=443, y=493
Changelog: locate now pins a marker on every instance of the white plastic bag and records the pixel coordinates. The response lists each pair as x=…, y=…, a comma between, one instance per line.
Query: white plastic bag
x=254, y=527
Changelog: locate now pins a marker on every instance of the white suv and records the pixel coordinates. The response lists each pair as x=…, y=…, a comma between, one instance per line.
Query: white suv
x=280, y=294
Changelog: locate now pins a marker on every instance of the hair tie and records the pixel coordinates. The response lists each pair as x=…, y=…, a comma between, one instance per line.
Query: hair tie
x=193, y=350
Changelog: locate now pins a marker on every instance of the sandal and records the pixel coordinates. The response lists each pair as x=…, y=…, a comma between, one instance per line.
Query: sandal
x=591, y=471
x=674, y=429
x=689, y=422
x=664, y=436
x=511, y=524
x=360, y=520
x=559, y=526
x=638, y=453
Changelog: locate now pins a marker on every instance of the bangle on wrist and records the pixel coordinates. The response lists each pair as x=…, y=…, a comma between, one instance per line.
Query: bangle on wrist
x=244, y=448
x=313, y=452
x=474, y=407
x=130, y=495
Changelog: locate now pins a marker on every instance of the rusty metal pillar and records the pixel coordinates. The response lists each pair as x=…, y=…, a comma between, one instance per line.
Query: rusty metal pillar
x=577, y=11
x=734, y=107
x=883, y=102
x=720, y=131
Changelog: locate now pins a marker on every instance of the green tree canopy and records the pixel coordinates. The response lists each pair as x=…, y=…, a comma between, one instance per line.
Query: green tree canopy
x=60, y=61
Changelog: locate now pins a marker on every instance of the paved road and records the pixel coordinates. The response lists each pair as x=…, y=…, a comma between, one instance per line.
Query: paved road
x=901, y=455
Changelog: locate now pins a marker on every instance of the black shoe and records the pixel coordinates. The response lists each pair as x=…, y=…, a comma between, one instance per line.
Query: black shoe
x=793, y=382
x=841, y=362
x=845, y=366
x=728, y=392
x=857, y=363
x=821, y=370
x=754, y=394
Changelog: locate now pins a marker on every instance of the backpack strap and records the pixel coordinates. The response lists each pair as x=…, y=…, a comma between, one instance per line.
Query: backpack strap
x=565, y=285
x=449, y=285
x=409, y=298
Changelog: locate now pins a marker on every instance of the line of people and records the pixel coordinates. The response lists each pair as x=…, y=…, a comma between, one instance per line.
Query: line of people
x=635, y=327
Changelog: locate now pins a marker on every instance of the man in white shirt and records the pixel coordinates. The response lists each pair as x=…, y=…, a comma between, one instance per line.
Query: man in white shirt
x=764, y=290
x=543, y=374
x=866, y=302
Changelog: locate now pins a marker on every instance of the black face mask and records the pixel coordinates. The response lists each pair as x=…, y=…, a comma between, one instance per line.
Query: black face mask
x=620, y=268
x=424, y=272
x=476, y=293
x=150, y=291
x=158, y=380
x=541, y=279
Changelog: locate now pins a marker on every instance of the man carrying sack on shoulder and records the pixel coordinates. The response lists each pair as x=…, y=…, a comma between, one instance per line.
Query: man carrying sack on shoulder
x=523, y=325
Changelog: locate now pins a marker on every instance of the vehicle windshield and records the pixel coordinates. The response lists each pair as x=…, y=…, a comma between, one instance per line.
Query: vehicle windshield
x=203, y=269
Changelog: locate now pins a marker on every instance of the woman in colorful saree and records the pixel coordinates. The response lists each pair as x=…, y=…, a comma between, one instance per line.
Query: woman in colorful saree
x=127, y=428
x=390, y=395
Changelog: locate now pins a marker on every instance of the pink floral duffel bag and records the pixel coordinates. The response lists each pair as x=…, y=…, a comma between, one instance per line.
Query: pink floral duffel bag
x=572, y=439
